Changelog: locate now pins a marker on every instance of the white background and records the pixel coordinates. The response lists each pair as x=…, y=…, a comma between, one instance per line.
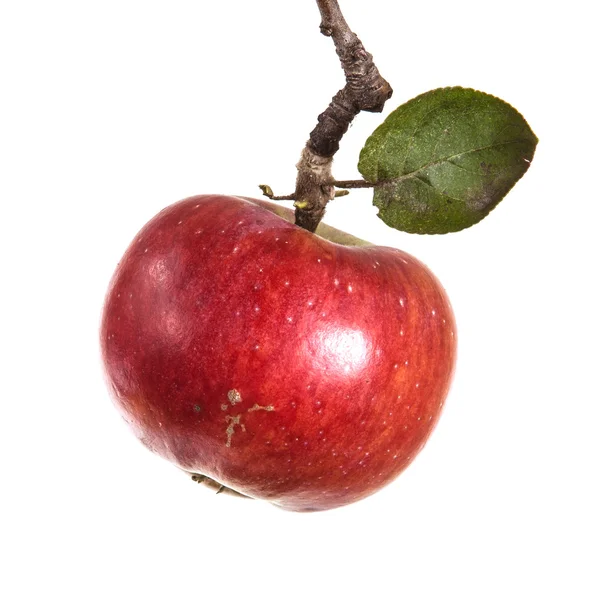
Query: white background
x=112, y=110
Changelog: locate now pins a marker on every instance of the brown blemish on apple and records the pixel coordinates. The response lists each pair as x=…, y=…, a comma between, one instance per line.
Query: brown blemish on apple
x=258, y=407
x=234, y=397
x=233, y=421
x=230, y=430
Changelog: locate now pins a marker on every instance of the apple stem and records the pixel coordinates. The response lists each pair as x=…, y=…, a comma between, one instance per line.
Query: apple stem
x=365, y=89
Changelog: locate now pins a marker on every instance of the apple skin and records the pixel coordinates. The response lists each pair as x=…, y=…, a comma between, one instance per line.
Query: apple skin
x=285, y=366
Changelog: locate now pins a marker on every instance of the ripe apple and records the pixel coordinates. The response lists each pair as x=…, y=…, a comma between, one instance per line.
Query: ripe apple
x=283, y=365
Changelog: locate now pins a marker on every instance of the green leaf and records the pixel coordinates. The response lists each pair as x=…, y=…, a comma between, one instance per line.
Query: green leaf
x=442, y=161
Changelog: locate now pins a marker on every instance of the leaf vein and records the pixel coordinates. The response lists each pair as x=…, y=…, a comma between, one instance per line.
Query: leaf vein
x=437, y=190
x=414, y=173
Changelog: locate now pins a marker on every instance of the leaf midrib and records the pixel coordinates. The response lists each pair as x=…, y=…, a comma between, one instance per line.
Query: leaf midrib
x=415, y=173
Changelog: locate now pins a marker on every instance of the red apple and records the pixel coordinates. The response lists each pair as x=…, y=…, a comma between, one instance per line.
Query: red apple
x=281, y=364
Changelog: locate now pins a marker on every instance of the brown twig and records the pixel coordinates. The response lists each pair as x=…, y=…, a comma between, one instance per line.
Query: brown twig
x=365, y=90
x=267, y=191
